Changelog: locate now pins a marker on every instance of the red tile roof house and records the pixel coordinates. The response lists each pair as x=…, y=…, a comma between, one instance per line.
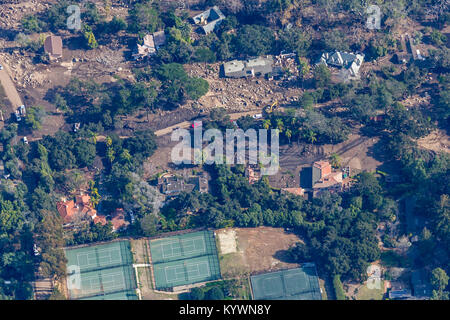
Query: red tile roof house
x=53, y=46
x=76, y=212
x=118, y=220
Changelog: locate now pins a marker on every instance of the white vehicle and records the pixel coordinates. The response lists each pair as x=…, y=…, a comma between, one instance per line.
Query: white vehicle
x=17, y=113
x=22, y=110
x=25, y=140
x=1, y=67
x=257, y=116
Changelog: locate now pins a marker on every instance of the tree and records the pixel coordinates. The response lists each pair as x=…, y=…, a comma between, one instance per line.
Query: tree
x=288, y=134
x=90, y=37
x=322, y=76
x=437, y=38
x=196, y=88
x=338, y=288
x=204, y=54
x=335, y=40
x=149, y=225
x=310, y=136
x=197, y=294
x=144, y=18
x=31, y=24
x=216, y=293
x=303, y=67
x=335, y=160
x=34, y=117
x=254, y=40
x=50, y=238
x=85, y=152
x=295, y=40
x=439, y=279
x=143, y=143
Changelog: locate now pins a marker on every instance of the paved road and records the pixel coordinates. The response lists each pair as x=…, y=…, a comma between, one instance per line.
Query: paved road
x=8, y=85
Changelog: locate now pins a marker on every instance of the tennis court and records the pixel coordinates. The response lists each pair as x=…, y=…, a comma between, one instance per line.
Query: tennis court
x=100, y=271
x=293, y=284
x=184, y=259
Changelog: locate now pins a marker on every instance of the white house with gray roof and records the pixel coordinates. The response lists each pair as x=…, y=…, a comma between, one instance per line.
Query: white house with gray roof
x=350, y=62
x=248, y=68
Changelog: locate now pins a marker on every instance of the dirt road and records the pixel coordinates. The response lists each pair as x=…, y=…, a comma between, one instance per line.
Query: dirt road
x=9, y=86
x=186, y=124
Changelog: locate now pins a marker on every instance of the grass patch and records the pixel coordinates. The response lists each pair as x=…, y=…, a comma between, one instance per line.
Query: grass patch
x=364, y=293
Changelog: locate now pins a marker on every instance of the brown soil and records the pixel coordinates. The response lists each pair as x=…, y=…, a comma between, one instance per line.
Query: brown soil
x=259, y=249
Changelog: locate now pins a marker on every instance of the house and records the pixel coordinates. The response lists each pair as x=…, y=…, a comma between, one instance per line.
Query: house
x=248, y=68
x=53, y=46
x=159, y=39
x=118, y=220
x=75, y=212
x=151, y=43
x=100, y=219
x=200, y=183
x=400, y=294
x=209, y=19
x=320, y=177
x=253, y=175
x=172, y=185
x=414, y=51
x=350, y=62
x=420, y=284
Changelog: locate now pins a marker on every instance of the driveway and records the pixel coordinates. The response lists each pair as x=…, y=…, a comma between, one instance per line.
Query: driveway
x=8, y=85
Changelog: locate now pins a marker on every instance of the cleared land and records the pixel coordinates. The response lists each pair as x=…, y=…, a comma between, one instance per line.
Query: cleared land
x=257, y=249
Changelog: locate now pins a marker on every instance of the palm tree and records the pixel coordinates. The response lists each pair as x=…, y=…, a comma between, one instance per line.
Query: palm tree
x=310, y=136
x=266, y=124
x=335, y=160
x=280, y=125
x=288, y=134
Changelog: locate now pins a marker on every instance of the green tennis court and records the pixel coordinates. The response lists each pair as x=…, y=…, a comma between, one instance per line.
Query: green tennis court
x=293, y=284
x=100, y=271
x=184, y=259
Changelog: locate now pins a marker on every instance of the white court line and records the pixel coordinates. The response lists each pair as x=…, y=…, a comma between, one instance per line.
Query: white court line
x=270, y=278
x=183, y=241
x=190, y=277
x=91, y=257
x=165, y=255
x=94, y=283
x=302, y=280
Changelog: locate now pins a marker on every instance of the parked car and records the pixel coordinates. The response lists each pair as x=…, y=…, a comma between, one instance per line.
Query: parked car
x=18, y=117
x=22, y=110
x=1, y=67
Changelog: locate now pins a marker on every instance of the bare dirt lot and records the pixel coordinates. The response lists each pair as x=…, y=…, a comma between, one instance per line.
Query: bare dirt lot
x=356, y=152
x=437, y=141
x=257, y=249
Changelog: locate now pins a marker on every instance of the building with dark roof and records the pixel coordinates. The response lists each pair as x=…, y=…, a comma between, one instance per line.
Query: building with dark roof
x=53, y=46
x=209, y=19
